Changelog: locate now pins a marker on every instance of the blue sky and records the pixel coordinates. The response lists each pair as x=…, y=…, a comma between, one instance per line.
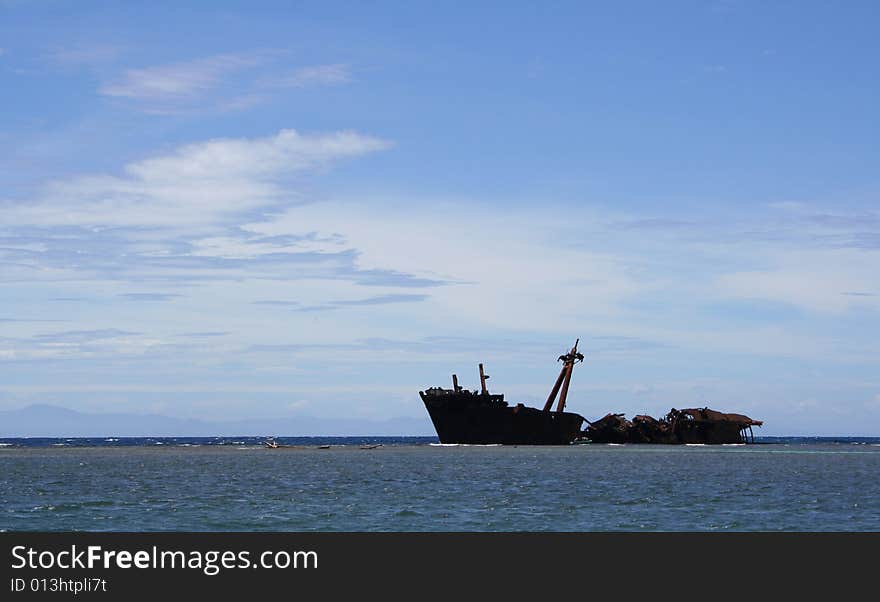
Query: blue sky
x=271, y=209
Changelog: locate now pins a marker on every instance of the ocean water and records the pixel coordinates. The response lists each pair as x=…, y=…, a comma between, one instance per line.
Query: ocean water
x=409, y=484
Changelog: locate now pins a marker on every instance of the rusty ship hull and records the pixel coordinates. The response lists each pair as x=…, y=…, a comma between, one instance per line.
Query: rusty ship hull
x=469, y=418
x=481, y=418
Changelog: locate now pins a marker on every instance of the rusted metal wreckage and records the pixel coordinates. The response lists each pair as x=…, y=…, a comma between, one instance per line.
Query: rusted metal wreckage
x=692, y=425
x=478, y=417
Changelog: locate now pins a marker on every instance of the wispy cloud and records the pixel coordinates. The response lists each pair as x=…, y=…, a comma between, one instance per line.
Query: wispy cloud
x=314, y=308
x=109, y=343
x=317, y=75
x=150, y=296
x=383, y=300
x=181, y=217
x=81, y=336
x=433, y=348
x=176, y=80
x=29, y=321
x=368, y=301
x=803, y=229
x=205, y=184
x=203, y=335
x=277, y=302
x=226, y=82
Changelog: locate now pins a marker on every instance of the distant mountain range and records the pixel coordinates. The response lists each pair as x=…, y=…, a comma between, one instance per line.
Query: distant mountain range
x=51, y=421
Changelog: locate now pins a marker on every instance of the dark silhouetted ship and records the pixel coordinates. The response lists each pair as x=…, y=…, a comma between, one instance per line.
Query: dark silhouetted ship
x=479, y=417
x=483, y=418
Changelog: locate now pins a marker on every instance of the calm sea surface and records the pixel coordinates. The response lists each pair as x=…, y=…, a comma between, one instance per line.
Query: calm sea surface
x=408, y=484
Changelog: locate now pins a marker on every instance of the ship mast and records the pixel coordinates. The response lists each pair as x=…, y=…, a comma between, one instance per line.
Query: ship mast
x=568, y=361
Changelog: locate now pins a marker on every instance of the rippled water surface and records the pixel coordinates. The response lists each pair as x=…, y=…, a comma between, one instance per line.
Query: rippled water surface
x=417, y=487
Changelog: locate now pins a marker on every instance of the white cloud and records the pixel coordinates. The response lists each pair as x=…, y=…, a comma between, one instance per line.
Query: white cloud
x=200, y=185
x=227, y=82
x=173, y=220
x=527, y=269
x=176, y=80
x=814, y=280
x=510, y=270
x=79, y=344
x=225, y=214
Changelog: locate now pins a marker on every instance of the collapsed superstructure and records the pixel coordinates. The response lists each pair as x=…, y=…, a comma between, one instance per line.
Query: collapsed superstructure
x=692, y=425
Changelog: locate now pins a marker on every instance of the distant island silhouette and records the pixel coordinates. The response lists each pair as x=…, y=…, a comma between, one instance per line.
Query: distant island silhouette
x=43, y=420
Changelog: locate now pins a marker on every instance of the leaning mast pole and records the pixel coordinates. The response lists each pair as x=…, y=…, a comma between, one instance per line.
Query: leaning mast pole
x=564, y=379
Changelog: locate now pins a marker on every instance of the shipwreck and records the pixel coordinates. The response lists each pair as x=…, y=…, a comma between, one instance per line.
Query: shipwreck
x=479, y=417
